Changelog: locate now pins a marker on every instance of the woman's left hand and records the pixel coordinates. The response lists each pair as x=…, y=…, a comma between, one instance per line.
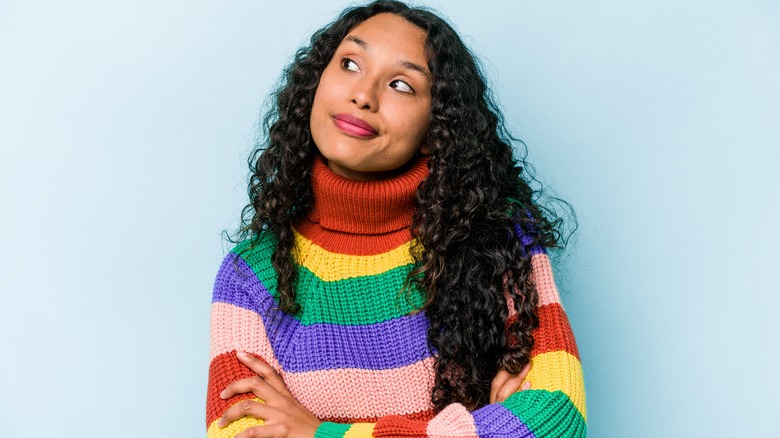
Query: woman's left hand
x=283, y=415
x=506, y=384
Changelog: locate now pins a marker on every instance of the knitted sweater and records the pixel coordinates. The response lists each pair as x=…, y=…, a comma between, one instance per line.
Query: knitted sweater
x=356, y=355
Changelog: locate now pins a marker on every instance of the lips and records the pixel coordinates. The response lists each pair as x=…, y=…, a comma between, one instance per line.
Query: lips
x=354, y=126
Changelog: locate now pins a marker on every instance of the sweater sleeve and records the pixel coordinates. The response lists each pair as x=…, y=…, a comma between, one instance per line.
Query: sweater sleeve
x=554, y=407
x=233, y=328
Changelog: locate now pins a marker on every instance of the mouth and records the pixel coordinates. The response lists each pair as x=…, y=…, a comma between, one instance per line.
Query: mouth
x=354, y=126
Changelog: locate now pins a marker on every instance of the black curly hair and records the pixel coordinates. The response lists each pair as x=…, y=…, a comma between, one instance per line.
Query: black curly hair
x=471, y=211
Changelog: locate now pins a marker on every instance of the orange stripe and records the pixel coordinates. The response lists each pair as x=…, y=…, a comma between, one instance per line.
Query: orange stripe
x=353, y=244
x=224, y=370
x=398, y=426
x=554, y=332
x=417, y=416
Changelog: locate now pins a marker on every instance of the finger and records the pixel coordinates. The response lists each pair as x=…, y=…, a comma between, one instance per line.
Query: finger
x=245, y=408
x=511, y=386
x=501, y=377
x=263, y=370
x=266, y=430
x=526, y=369
x=526, y=385
x=242, y=386
x=255, y=385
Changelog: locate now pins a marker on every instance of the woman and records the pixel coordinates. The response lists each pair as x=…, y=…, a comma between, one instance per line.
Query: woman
x=392, y=277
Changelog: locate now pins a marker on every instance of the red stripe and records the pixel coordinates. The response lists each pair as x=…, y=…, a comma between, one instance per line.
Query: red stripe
x=224, y=370
x=398, y=426
x=554, y=332
x=353, y=244
x=417, y=416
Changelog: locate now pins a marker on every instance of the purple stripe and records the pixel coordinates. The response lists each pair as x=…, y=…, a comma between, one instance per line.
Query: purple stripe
x=526, y=240
x=496, y=421
x=389, y=344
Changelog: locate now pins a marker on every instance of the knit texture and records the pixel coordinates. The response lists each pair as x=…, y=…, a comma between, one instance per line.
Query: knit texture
x=356, y=355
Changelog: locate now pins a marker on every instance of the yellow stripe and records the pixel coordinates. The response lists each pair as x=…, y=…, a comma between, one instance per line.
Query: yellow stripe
x=331, y=266
x=360, y=430
x=559, y=371
x=238, y=426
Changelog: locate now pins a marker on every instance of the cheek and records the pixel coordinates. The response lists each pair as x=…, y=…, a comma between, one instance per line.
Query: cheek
x=414, y=126
x=318, y=97
x=319, y=109
x=422, y=122
x=323, y=88
x=317, y=116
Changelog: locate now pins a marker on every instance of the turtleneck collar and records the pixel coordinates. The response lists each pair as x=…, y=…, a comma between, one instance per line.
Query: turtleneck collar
x=365, y=207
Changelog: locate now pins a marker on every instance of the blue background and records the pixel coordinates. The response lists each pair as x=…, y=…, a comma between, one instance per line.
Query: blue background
x=125, y=125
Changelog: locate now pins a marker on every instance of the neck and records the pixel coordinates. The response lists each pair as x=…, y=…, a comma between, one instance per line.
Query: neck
x=368, y=176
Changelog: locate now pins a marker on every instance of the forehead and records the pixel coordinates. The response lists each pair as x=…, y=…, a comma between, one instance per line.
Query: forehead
x=392, y=33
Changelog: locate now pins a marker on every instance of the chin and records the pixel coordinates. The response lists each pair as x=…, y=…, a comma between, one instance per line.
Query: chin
x=345, y=156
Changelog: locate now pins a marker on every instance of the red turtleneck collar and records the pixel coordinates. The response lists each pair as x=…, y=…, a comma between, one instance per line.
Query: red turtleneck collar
x=362, y=217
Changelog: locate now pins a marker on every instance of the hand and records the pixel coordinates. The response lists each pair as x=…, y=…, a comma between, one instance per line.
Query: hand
x=506, y=384
x=281, y=412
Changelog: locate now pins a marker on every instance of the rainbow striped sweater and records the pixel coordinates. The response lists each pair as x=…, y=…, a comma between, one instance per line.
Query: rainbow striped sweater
x=356, y=355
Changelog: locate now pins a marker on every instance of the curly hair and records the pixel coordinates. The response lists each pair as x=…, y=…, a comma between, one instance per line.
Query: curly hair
x=477, y=216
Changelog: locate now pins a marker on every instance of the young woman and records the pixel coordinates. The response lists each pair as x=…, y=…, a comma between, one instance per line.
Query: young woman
x=392, y=277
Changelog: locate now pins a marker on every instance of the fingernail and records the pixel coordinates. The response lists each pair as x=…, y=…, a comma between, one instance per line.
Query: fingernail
x=526, y=384
x=222, y=394
x=221, y=422
x=242, y=355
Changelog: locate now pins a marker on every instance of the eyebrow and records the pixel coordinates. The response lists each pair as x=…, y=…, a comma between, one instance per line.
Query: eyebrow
x=406, y=64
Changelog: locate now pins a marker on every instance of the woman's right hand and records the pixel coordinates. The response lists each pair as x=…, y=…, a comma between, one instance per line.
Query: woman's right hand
x=282, y=414
x=506, y=384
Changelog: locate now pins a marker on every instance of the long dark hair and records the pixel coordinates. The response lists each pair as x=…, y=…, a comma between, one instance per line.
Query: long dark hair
x=477, y=216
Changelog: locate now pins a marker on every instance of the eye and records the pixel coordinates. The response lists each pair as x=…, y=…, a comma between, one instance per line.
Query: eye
x=348, y=64
x=401, y=86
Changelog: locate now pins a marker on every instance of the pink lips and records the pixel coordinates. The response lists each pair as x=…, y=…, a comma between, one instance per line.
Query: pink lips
x=353, y=126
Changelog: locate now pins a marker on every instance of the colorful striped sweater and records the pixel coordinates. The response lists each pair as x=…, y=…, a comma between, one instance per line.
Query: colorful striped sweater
x=356, y=355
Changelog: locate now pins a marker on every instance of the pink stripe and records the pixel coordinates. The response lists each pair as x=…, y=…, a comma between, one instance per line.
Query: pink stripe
x=453, y=422
x=348, y=392
x=358, y=393
x=236, y=328
x=510, y=303
x=542, y=277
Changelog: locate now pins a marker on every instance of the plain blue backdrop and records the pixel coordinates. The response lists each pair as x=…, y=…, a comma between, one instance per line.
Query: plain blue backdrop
x=124, y=129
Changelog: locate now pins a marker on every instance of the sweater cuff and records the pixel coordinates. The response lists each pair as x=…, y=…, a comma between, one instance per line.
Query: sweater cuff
x=331, y=430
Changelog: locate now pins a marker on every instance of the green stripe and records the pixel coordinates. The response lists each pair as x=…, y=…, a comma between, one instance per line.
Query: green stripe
x=331, y=430
x=547, y=413
x=371, y=298
x=259, y=258
x=355, y=301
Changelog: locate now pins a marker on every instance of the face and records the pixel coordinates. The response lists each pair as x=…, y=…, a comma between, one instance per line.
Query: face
x=373, y=103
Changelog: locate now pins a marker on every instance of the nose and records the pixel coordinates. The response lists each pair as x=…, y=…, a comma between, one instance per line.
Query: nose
x=364, y=94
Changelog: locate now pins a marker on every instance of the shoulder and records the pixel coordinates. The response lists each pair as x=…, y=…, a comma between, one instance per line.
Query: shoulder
x=255, y=248
x=247, y=263
x=249, y=255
